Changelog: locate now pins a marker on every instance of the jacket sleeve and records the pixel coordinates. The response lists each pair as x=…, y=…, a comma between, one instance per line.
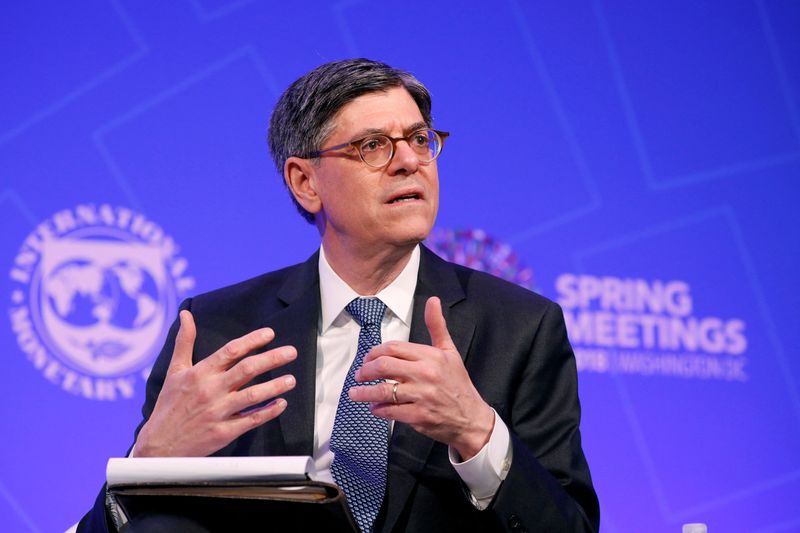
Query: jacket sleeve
x=548, y=486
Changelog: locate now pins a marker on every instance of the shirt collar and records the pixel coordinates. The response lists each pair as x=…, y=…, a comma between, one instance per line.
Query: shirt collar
x=398, y=296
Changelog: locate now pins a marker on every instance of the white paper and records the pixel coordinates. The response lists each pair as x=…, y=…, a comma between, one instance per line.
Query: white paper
x=134, y=470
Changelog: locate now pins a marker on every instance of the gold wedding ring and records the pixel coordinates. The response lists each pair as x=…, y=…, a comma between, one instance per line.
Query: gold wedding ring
x=394, y=392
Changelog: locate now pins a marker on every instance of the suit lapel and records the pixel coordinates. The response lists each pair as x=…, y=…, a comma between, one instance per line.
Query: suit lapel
x=296, y=325
x=409, y=450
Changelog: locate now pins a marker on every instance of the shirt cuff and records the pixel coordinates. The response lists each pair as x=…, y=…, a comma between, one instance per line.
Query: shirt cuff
x=483, y=473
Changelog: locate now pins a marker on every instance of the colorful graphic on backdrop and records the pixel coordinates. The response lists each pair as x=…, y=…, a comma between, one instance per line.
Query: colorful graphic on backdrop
x=93, y=292
x=473, y=248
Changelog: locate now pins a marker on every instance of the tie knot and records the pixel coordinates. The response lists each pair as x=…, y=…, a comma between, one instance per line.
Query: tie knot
x=366, y=311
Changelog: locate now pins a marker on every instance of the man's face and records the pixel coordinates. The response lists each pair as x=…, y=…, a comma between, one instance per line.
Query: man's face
x=360, y=204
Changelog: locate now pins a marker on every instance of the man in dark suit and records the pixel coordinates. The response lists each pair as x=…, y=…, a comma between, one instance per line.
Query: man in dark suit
x=460, y=388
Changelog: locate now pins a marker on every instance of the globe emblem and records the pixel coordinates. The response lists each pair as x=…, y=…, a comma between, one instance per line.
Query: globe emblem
x=102, y=302
x=94, y=289
x=84, y=294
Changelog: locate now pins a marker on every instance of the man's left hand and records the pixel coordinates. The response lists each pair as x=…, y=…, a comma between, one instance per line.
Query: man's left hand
x=435, y=395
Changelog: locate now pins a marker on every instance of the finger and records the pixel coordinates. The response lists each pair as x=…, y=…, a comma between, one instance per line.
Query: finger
x=243, y=423
x=387, y=368
x=256, y=394
x=184, y=344
x=250, y=367
x=408, y=351
x=228, y=355
x=434, y=319
x=401, y=412
x=382, y=393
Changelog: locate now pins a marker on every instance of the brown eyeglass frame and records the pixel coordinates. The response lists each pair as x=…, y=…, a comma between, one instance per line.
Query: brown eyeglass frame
x=357, y=145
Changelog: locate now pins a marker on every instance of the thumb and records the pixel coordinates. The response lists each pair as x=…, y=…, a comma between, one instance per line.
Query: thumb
x=184, y=344
x=437, y=327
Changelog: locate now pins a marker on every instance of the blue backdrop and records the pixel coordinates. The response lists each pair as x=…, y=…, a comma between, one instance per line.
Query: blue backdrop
x=639, y=159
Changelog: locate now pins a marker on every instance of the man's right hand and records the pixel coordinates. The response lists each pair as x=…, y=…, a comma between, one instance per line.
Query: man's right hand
x=201, y=408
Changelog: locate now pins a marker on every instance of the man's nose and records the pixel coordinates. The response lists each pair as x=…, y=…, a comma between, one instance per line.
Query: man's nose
x=405, y=160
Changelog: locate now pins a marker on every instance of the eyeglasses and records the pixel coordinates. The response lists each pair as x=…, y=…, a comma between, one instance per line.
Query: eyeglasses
x=376, y=150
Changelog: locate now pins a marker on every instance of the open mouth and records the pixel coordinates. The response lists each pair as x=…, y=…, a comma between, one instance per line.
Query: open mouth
x=405, y=198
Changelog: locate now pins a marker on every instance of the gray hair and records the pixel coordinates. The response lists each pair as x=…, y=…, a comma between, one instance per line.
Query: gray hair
x=304, y=115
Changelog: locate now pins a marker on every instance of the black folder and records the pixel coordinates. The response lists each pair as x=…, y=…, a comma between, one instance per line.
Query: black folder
x=241, y=505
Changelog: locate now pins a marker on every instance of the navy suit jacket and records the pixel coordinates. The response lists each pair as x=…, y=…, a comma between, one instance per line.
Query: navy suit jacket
x=515, y=348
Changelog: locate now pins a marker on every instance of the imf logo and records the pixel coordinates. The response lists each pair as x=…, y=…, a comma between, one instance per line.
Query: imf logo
x=95, y=288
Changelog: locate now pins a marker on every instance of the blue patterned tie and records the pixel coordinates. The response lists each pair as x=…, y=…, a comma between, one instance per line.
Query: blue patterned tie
x=360, y=440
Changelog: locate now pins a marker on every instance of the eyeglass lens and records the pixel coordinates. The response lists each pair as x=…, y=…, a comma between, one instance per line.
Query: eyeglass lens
x=378, y=150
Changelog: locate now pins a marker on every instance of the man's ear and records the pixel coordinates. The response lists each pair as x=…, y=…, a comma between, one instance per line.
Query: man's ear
x=300, y=176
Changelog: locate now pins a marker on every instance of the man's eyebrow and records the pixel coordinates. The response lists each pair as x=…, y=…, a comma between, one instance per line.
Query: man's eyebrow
x=378, y=131
x=416, y=126
x=367, y=132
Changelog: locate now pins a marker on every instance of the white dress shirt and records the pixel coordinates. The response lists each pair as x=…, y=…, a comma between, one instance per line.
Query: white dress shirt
x=337, y=340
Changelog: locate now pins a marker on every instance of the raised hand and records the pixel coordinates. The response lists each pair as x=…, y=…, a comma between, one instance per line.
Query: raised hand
x=434, y=393
x=201, y=408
